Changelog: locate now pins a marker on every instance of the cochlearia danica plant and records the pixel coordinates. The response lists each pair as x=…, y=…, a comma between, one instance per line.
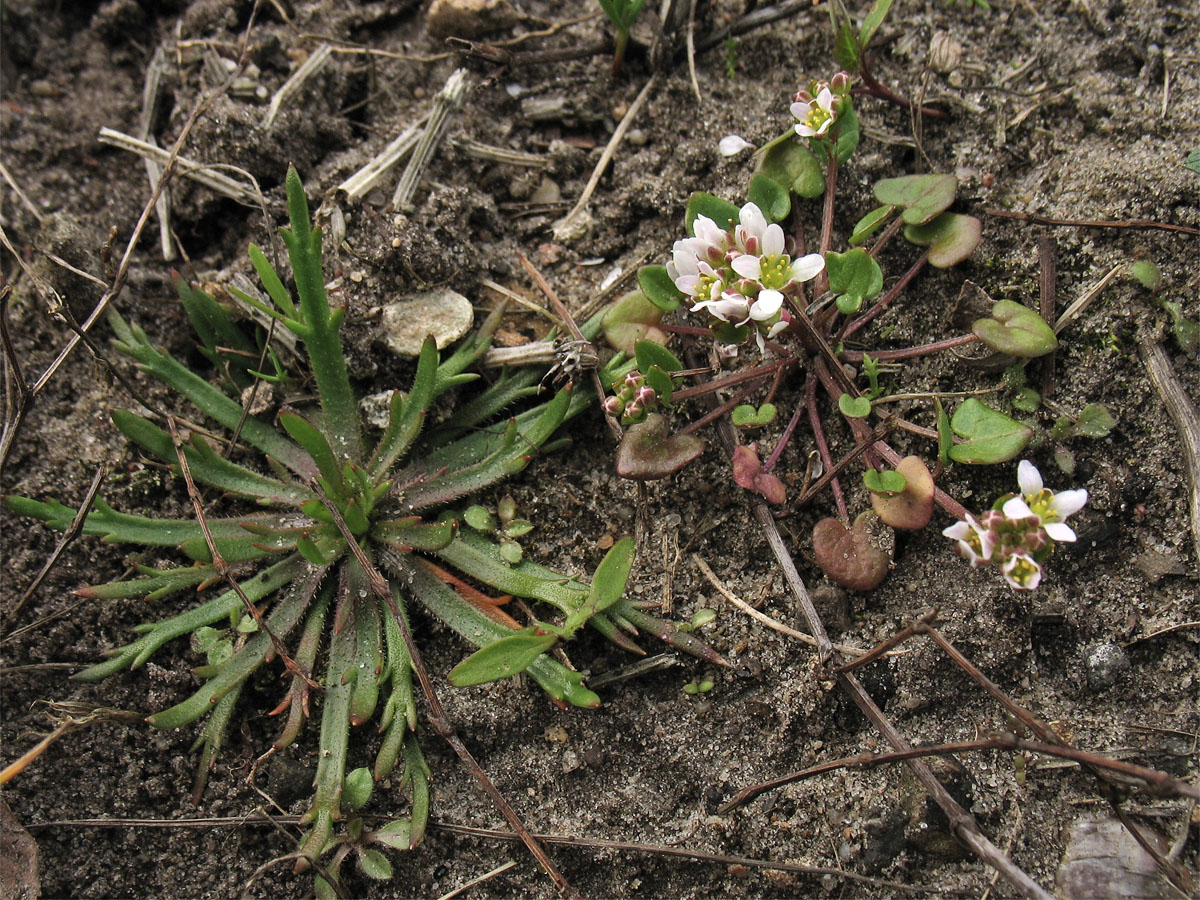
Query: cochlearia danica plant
x=345, y=532
x=767, y=289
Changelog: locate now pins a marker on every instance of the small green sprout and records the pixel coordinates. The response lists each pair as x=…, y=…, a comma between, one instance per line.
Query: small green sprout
x=698, y=686
x=622, y=14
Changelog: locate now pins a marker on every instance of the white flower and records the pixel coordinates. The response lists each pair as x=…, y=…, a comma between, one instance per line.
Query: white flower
x=1049, y=507
x=732, y=145
x=974, y=543
x=816, y=115
x=1022, y=572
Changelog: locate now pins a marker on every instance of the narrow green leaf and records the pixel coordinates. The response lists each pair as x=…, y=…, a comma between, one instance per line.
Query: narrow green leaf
x=407, y=414
x=872, y=21
x=395, y=834
x=945, y=433
x=846, y=49
x=608, y=583
x=270, y=280
x=314, y=441
x=870, y=223
x=847, y=132
x=507, y=656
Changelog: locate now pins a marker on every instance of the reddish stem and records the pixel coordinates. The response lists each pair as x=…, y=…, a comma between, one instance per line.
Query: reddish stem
x=876, y=88
x=784, y=438
x=855, y=356
x=814, y=420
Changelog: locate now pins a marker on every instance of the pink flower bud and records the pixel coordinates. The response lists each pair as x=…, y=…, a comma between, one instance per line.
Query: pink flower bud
x=613, y=406
x=645, y=396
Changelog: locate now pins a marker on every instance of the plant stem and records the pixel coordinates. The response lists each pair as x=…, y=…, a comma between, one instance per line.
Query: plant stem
x=814, y=421
x=887, y=298
x=762, y=371
x=888, y=233
x=786, y=436
x=962, y=340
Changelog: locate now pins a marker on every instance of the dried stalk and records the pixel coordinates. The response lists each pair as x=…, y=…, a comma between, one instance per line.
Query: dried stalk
x=445, y=105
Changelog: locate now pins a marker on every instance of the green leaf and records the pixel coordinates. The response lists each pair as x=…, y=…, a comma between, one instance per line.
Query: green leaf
x=633, y=318
x=658, y=287
x=1187, y=332
x=608, y=583
x=855, y=276
x=1017, y=330
x=1026, y=400
x=503, y=658
x=887, y=482
x=846, y=49
x=869, y=224
x=724, y=213
x=945, y=433
x=951, y=238
x=847, y=132
x=854, y=407
x=746, y=416
x=1095, y=421
x=791, y=164
x=770, y=197
x=407, y=414
x=374, y=864
x=872, y=22
x=480, y=519
x=922, y=197
x=359, y=785
x=313, y=440
x=511, y=552
x=991, y=436
x=1147, y=273
x=396, y=834
x=648, y=353
x=1193, y=161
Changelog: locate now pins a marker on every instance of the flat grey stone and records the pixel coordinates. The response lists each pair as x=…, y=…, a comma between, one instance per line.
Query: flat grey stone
x=405, y=324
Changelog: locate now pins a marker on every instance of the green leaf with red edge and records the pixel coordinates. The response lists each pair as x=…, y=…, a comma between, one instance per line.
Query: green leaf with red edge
x=648, y=452
x=951, y=238
x=1017, y=330
x=922, y=197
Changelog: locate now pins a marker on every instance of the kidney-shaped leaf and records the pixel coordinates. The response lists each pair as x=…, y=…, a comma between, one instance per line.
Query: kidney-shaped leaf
x=911, y=508
x=1016, y=330
x=922, y=196
x=991, y=436
x=632, y=318
x=950, y=237
x=791, y=164
x=508, y=656
x=858, y=557
x=647, y=452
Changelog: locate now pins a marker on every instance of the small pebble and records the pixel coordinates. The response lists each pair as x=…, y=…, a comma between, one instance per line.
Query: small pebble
x=1104, y=665
x=444, y=313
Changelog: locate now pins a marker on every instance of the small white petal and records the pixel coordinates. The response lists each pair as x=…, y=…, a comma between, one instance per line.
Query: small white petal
x=732, y=144
x=772, y=244
x=778, y=328
x=1029, y=478
x=799, y=110
x=804, y=131
x=825, y=100
x=1059, y=531
x=766, y=306
x=753, y=220
x=807, y=267
x=1016, y=508
x=748, y=266
x=1066, y=503
x=957, y=531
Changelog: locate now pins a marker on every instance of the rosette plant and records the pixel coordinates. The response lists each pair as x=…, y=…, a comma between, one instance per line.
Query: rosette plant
x=343, y=532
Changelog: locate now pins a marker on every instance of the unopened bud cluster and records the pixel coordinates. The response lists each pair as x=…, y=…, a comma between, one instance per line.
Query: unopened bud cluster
x=632, y=399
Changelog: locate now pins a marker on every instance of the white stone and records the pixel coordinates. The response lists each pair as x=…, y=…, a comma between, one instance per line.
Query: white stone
x=444, y=313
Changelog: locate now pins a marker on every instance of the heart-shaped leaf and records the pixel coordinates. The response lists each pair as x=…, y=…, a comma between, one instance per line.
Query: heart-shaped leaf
x=854, y=275
x=631, y=319
x=724, y=213
x=748, y=473
x=950, y=237
x=746, y=416
x=911, y=508
x=769, y=196
x=1017, y=330
x=791, y=164
x=858, y=557
x=647, y=452
x=658, y=287
x=869, y=224
x=854, y=407
x=508, y=656
x=992, y=437
x=922, y=196
x=888, y=483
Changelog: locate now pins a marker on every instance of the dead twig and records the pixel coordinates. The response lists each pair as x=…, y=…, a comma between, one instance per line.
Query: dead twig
x=1089, y=223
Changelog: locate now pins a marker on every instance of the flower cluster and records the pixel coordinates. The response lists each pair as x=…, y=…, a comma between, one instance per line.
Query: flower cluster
x=1020, y=531
x=632, y=399
x=741, y=275
x=817, y=108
